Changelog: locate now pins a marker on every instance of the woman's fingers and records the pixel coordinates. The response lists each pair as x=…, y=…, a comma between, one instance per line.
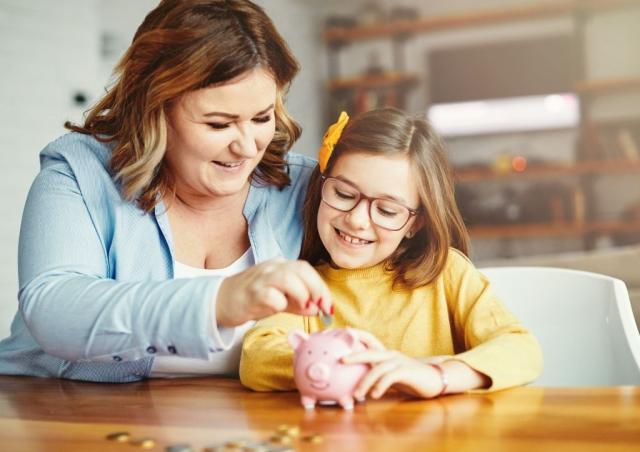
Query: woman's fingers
x=302, y=285
x=273, y=300
x=269, y=287
x=319, y=293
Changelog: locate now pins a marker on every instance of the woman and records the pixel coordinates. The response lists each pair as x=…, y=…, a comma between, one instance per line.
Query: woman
x=141, y=231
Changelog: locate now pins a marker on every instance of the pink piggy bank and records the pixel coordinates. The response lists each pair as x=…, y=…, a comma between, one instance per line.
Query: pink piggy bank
x=317, y=370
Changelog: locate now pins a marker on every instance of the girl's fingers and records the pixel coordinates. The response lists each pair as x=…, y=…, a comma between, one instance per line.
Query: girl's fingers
x=436, y=359
x=369, y=357
x=387, y=380
x=371, y=378
x=370, y=341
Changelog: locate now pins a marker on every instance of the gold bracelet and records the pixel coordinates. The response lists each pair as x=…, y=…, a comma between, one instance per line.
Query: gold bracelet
x=443, y=378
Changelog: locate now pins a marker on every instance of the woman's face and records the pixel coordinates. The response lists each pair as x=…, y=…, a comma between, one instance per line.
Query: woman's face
x=217, y=136
x=351, y=238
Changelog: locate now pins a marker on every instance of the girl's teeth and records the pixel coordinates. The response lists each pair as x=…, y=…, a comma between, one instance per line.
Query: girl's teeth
x=352, y=240
x=228, y=165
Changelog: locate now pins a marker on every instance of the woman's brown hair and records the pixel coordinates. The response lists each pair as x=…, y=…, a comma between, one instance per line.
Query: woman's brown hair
x=420, y=259
x=182, y=46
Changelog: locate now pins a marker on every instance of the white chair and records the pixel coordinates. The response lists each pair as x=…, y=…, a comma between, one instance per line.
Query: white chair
x=583, y=321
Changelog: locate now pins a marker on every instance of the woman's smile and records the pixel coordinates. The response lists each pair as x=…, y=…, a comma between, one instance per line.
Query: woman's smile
x=229, y=167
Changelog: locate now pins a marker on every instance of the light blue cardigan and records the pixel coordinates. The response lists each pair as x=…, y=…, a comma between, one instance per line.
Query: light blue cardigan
x=97, y=300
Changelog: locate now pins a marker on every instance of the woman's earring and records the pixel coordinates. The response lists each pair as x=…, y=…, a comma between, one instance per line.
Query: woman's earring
x=409, y=234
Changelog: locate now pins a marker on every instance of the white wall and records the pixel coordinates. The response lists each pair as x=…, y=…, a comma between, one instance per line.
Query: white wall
x=48, y=50
x=51, y=49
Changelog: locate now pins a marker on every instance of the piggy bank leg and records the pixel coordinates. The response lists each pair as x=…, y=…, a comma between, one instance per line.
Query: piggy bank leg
x=309, y=403
x=346, y=402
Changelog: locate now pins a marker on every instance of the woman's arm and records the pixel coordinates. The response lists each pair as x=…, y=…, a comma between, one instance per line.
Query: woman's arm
x=71, y=306
x=77, y=310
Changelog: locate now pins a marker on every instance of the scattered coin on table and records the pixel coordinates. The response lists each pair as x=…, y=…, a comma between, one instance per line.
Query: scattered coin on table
x=313, y=438
x=120, y=437
x=143, y=443
x=180, y=448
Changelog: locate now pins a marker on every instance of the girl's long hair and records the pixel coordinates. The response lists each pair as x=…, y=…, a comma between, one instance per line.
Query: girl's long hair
x=182, y=46
x=418, y=260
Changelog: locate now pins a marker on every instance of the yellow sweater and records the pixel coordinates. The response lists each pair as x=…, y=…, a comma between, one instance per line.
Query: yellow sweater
x=456, y=314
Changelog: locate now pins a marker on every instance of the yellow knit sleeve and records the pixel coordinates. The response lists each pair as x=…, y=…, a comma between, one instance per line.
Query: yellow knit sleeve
x=496, y=343
x=266, y=362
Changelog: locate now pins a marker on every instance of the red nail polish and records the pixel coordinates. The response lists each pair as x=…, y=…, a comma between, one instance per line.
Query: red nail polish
x=308, y=304
x=332, y=309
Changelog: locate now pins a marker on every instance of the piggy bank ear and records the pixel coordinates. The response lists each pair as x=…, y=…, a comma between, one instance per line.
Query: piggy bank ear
x=349, y=336
x=296, y=338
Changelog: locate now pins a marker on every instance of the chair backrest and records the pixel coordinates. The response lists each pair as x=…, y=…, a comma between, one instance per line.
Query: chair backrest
x=583, y=321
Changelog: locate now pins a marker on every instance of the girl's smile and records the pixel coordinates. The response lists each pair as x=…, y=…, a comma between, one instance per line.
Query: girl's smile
x=352, y=241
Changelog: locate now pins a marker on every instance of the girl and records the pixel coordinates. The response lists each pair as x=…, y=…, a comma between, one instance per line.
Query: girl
x=383, y=230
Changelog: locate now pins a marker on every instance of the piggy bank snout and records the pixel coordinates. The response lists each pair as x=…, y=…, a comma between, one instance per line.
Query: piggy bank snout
x=318, y=372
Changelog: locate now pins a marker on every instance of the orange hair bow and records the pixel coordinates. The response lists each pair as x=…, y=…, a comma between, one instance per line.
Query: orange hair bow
x=330, y=139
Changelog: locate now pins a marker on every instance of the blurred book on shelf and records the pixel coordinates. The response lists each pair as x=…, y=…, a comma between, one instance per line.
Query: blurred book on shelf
x=617, y=140
x=628, y=144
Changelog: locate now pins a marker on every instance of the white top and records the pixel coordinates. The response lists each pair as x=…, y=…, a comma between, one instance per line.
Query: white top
x=224, y=362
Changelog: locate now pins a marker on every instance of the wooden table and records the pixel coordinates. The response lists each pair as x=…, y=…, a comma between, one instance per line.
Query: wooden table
x=49, y=414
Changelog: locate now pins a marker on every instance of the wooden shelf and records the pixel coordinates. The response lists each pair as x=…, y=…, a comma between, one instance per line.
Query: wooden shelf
x=552, y=229
x=484, y=17
x=540, y=171
x=607, y=85
x=385, y=80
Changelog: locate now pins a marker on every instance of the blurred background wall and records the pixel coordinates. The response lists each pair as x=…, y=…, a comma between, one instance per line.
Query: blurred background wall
x=538, y=190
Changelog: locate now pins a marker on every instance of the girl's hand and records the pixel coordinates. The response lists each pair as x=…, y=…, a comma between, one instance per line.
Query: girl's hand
x=436, y=359
x=392, y=368
x=267, y=288
x=369, y=340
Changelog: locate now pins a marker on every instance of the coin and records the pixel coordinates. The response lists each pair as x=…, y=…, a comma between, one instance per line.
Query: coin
x=236, y=444
x=327, y=319
x=214, y=448
x=280, y=439
x=288, y=430
x=120, y=437
x=143, y=443
x=313, y=438
x=257, y=447
x=180, y=448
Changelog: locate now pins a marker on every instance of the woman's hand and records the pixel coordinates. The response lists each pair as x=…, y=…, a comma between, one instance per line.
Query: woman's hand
x=392, y=368
x=267, y=288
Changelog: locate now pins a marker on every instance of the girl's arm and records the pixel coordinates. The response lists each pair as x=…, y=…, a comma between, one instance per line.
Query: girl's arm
x=414, y=376
x=498, y=351
x=266, y=363
x=496, y=344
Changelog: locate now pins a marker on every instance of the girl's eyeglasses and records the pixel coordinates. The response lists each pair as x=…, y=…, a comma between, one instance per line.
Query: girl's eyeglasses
x=384, y=213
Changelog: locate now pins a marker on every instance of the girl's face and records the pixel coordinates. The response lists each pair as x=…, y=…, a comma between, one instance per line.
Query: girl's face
x=217, y=136
x=351, y=238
